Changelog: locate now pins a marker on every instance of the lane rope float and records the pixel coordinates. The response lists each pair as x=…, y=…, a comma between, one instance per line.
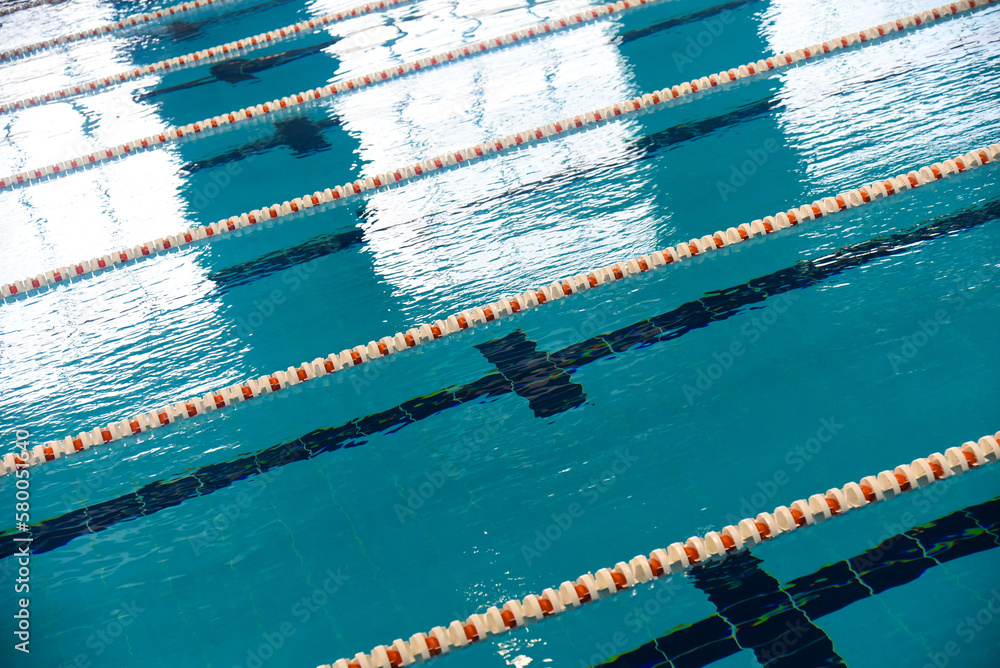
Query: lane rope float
x=195, y=58
x=475, y=317
x=266, y=39
x=697, y=551
x=114, y=26
x=203, y=233
x=7, y=11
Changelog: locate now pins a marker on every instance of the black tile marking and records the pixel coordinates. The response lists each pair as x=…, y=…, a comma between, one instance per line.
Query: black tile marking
x=547, y=388
x=236, y=70
x=890, y=565
x=300, y=134
x=954, y=539
x=697, y=644
x=827, y=590
x=764, y=617
x=266, y=265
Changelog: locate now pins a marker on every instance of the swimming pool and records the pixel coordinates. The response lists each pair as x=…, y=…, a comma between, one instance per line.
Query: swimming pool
x=378, y=502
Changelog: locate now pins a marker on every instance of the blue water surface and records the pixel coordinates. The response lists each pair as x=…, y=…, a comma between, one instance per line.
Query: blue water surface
x=449, y=478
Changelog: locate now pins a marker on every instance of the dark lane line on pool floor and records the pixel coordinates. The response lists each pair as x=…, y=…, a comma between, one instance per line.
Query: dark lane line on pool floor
x=533, y=376
x=300, y=134
x=271, y=263
x=723, y=304
x=715, y=306
x=894, y=562
x=760, y=613
x=238, y=70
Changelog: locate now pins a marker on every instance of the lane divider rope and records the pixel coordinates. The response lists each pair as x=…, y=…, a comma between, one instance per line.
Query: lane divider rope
x=202, y=233
x=223, y=121
x=697, y=551
x=114, y=26
x=6, y=11
x=195, y=58
x=475, y=317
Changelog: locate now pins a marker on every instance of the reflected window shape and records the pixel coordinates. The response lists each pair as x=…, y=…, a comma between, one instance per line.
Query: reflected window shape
x=442, y=233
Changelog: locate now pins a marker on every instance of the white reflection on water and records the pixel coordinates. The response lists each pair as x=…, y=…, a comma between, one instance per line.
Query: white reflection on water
x=862, y=106
x=113, y=332
x=452, y=231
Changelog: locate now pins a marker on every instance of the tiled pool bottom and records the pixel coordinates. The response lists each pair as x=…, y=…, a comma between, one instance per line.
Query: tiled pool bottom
x=389, y=499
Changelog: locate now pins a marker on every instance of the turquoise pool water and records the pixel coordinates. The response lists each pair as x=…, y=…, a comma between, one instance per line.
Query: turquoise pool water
x=427, y=487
